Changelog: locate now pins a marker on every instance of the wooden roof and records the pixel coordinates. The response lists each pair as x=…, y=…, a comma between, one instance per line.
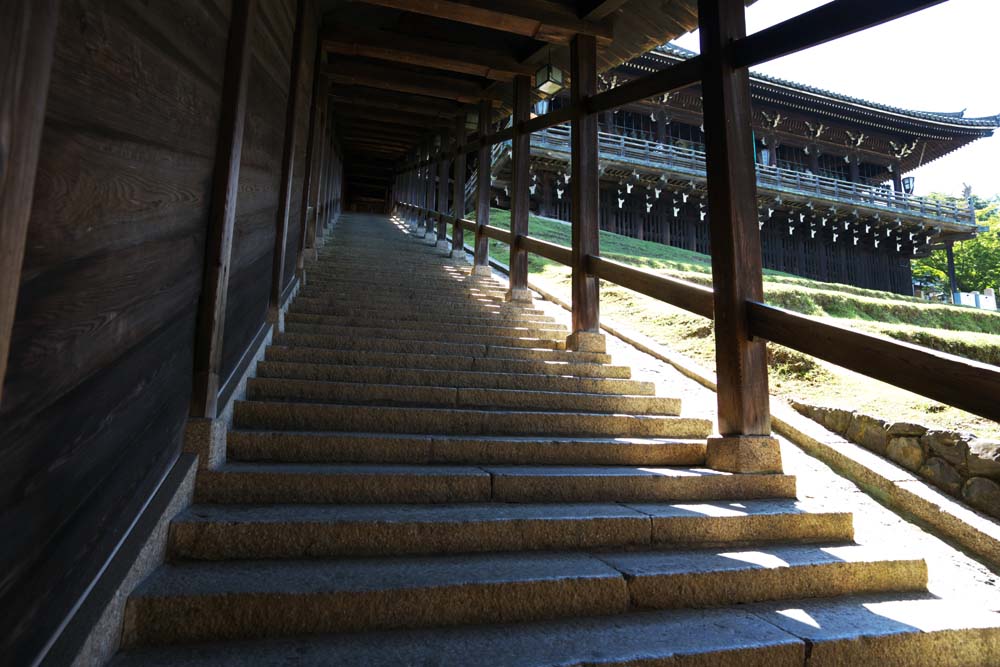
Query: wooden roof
x=400, y=69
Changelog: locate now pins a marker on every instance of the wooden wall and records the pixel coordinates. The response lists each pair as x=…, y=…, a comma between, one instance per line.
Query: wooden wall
x=98, y=387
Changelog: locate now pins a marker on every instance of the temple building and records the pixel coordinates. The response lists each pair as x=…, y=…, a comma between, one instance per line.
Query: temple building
x=834, y=200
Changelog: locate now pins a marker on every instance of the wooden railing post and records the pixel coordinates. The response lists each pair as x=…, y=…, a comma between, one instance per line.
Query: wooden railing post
x=222, y=217
x=586, y=334
x=429, y=182
x=481, y=266
x=28, y=28
x=287, y=168
x=444, y=169
x=741, y=362
x=458, y=190
x=520, y=196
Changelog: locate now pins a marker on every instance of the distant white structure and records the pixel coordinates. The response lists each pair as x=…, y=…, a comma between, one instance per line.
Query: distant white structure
x=986, y=301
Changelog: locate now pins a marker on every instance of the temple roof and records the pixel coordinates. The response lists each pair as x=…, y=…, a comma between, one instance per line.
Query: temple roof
x=951, y=120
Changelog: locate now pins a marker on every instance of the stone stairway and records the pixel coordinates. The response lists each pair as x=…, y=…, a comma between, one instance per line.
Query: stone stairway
x=422, y=474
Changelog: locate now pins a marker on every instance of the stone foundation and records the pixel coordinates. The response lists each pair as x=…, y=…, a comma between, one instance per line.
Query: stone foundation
x=959, y=464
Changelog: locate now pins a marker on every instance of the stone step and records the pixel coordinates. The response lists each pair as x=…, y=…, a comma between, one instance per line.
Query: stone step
x=231, y=532
x=444, y=362
x=201, y=601
x=497, y=318
x=881, y=629
x=271, y=415
x=403, y=333
x=480, y=308
x=428, y=284
x=255, y=483
x=280, y=389
x=331, y=342
x=445, y=378
x=331, y=447
x=458, y=298
x=444, y=324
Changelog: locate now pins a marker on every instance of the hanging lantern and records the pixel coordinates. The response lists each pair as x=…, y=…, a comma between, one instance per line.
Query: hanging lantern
x=472, y=120
x=549, y=79
x=908, y=185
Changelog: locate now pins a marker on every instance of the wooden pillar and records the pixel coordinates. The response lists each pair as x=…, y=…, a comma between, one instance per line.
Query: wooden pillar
x=442, y=195
x=430, y=180
x=27, y=28
x=316, y=196
x=307, y=214
x=897, y=178
x=854, y=170
x=222, y=217
x=949, y=250
x=519, y=194
x=586, y=334
x=481, y=266
x=741, y=362
x=287, y=167
x=661, y=126
x=458, y=189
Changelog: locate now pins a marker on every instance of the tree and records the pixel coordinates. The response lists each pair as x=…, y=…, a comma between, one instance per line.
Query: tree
x=977, y=261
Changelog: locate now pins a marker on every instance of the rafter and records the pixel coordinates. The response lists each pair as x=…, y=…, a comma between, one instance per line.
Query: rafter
x=421, y=105
x=540, y=19
x=391, y=78
x=432, y=53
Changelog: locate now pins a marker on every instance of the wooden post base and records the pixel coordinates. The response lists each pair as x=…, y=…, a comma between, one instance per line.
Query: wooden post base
x=519, y=295
x=744, y=453
x=586, y=341
x=481, y=270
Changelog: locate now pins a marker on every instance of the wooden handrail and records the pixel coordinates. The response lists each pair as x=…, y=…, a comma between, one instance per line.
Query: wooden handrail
x=557, y=253
x=962, y=383
x=693, y=298
x=965, y=384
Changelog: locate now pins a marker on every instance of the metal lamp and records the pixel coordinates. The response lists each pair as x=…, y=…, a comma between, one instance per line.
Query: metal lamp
x=549, y=79
x=908, y=185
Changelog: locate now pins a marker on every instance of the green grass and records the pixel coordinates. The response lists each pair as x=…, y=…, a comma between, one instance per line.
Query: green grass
x=966, y=332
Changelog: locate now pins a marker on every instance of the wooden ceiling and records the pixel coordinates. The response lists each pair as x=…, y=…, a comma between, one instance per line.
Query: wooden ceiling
x=403, y=70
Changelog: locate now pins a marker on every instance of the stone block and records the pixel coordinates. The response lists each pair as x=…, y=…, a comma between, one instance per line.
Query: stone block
x=868, y=432
x=942, y=475
x=952, y=447
x=984, y=459
x=744, y=454
x=586, y=341
x=907, y=452
x=837, y=420
x=983, y=494
x=907, y=429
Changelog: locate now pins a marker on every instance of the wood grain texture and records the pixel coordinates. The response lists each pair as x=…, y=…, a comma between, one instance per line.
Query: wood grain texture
x=585, y=187
x=100, y=364
x=741, y=363
x=520, y=202
x=27, y=32
x=222, y=216
x=482, y=244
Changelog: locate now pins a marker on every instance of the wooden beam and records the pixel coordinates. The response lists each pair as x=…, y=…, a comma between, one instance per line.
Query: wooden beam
x=585, y=187
x=481, y=263
x=741, y=361
x=539, y=19
x=385, y=77
x=375, y=98
x=520, y=196
x=825, y=23
x=358, y=109
x=211, y=324
x=27, y=42
x=424, y=52
x=287, y=165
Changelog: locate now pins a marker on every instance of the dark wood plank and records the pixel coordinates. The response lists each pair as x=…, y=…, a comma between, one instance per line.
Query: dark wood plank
x=28, y=29
x=585, y=186
x=693, y=298
x=287, y=166
x=211, y=321
x=541, y=19
x=741, y=363
x=309, y=182
x=482, y=247
x=962, y=383
x=557, y=253
x=444, y=169
x=520, y=201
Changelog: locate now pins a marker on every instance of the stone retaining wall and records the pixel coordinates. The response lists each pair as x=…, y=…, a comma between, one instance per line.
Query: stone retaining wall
x=960, y=464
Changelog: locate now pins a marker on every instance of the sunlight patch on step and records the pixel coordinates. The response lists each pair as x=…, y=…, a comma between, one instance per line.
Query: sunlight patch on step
x=800, y=616
x=765, y=560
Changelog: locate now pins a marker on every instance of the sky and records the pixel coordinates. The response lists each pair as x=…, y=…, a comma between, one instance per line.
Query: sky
x=944, y=58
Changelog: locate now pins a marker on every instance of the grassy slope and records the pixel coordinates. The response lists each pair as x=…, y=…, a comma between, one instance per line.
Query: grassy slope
x=963, y=331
